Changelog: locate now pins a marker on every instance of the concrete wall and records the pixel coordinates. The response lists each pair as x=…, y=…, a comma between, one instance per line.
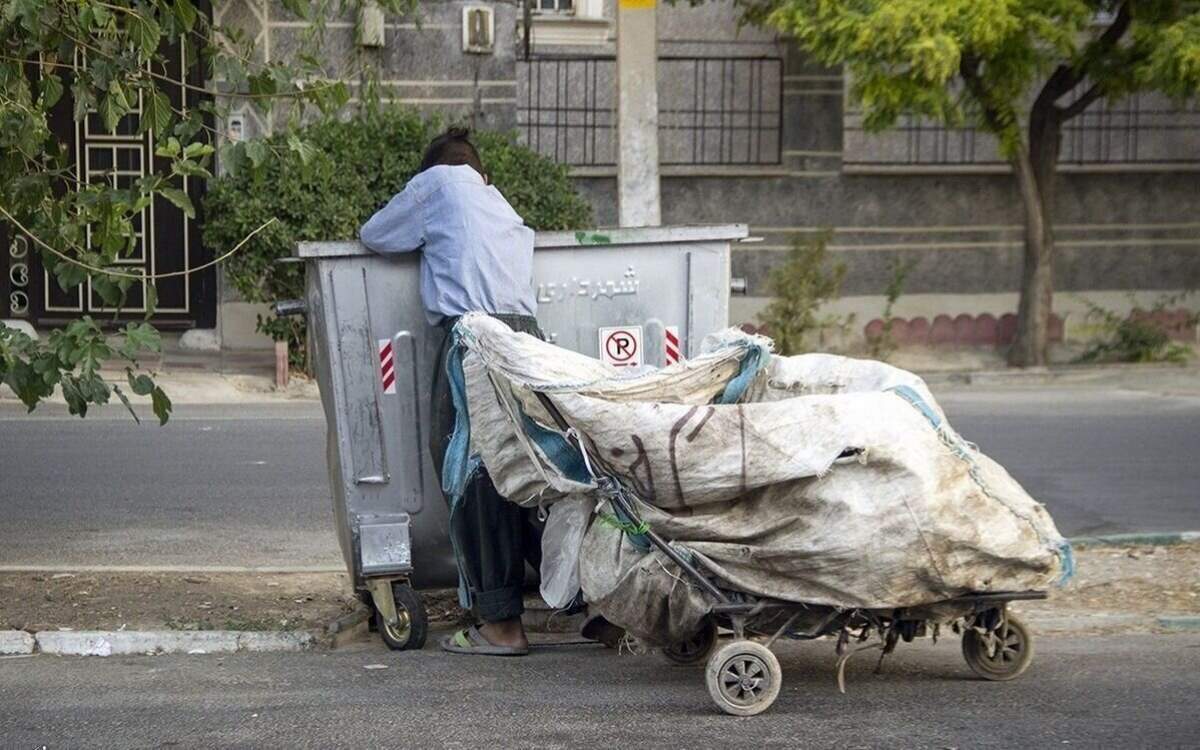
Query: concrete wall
x=1127, y=220
x=917, y=195
x=420, y=65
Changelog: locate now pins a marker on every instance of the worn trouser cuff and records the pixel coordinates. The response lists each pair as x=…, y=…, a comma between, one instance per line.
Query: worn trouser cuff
x=498, y=604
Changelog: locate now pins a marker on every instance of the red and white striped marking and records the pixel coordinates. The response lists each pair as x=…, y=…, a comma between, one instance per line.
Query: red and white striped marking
x=387, y=366
x=672, y=345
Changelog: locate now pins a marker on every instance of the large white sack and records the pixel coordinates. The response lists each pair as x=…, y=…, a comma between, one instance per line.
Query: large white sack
x=830, y=481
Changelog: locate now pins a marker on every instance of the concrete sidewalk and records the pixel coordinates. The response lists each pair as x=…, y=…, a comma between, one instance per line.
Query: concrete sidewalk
x=224, y=377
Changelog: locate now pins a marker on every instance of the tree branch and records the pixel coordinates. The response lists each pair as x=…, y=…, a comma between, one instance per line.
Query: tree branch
x=968, y=68
x=1080, y=104
x=1066, y=77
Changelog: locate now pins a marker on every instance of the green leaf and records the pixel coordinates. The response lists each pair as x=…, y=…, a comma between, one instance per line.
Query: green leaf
x=197, y=150
x=232, y=156
x=169, y=150
x=84, y=98
x=69, y=276
x=299, y=8
x=111, y=112
x=305, y=150
x=161, y=404
x=52, y=90
x=186, y=13
x=108, y=289
x=142, y=385
x=143, y=337
x=77, y=403
x=190, y=169
x=180, y=199
x=256, y=152
x=117, y=91
x=156, y=112
x=100, y=15
x=95, y=389
x=144, y=32
x=262, y=84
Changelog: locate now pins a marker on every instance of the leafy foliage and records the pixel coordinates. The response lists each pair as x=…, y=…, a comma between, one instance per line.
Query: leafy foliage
x=353, y=168
x=977, y=61
x=799, y=287
x=1131, y=338
x=881, y=345
x=1018, y=69
x=107, y=58
x=72, y=359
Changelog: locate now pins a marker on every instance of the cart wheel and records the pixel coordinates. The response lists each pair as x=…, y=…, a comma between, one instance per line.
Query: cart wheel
x=1002, y=658
x=743, y=678
x=697, y=648
x=412, y=622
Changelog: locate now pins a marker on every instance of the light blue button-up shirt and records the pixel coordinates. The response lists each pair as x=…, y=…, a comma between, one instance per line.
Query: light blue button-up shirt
x=476, y=252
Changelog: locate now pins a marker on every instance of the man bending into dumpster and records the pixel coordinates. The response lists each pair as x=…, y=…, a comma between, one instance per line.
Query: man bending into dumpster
x=476, y=256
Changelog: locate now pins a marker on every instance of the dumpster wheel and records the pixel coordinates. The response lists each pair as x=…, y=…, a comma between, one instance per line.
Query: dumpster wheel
x=412, y=622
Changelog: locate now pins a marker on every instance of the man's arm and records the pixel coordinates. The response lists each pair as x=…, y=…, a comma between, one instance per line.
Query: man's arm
x=398, y=227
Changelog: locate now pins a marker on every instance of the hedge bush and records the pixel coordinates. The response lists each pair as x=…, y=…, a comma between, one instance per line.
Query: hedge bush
x=354, y=168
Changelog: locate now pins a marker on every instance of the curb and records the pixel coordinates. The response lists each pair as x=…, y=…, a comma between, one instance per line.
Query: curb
x=128, y=643
x=1138, y=538
x=15, y=643
x=1180, y=623
x=1043, y=375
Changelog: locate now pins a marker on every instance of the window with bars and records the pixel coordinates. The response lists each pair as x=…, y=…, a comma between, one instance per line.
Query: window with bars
x=559, y=7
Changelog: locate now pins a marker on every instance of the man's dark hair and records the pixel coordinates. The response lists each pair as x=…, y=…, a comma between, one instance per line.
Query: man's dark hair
x=452, y=147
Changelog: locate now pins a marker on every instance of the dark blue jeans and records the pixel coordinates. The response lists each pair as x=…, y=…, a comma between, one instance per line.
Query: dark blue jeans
x=493, y=538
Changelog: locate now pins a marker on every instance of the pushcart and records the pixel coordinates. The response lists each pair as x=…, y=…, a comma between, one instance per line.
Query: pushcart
x=743, y=674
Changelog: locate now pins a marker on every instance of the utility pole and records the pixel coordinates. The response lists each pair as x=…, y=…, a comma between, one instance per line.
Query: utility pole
x=638, y=202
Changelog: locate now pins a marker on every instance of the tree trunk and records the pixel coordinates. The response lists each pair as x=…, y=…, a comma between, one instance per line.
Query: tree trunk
x=1036, y=175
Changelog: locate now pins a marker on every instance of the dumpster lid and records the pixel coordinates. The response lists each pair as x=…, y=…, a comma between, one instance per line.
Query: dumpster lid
x=580, y=238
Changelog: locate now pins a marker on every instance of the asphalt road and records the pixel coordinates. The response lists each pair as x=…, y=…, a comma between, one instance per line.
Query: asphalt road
x=246, y=485
x=1115, y=692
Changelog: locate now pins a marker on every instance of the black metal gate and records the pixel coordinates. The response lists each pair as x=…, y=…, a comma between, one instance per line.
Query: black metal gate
x=167, y=241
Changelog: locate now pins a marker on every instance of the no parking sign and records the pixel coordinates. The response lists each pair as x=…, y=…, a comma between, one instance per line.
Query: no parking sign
x=621, y=346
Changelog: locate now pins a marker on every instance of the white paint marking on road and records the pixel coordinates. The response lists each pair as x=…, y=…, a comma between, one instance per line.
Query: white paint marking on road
x=106, y=420
x=280, y=569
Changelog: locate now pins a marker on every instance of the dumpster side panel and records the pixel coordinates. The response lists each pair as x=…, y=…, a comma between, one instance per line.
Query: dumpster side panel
x=360, y=380
x=364, y=307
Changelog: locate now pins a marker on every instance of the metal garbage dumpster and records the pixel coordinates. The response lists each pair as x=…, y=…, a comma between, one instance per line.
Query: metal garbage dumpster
x=630, y=296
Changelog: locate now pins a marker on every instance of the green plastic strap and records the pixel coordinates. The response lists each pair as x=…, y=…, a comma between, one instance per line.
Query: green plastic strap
x=633, y=529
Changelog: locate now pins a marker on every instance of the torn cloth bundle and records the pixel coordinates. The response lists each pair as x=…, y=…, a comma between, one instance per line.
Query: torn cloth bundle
x=816, y=478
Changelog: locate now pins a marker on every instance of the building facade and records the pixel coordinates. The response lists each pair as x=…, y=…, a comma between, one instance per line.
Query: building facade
x=750, y=131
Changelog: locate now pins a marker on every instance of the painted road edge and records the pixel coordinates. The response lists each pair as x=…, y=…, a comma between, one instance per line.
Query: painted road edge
x=128, y=643
x=15, y=643
x=1137, y=538
x=1186, y=623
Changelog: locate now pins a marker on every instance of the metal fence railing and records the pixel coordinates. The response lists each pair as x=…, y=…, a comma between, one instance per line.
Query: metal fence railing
x=1141, y=129
x=712, y=110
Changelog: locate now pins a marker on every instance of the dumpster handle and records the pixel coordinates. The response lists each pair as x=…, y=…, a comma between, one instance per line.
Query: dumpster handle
x=286, y=307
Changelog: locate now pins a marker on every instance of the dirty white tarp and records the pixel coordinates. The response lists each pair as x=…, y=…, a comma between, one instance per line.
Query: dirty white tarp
x=815, y=478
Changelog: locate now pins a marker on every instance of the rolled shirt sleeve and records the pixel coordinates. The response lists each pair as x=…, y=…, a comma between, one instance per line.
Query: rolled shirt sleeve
x=398, y=227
